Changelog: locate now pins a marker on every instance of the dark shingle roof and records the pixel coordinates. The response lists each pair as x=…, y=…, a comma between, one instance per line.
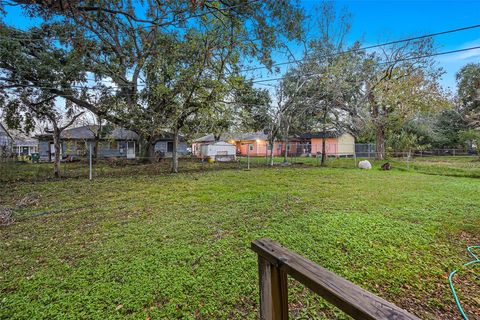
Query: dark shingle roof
x=26, y=142
x=88, y=132
x=319, y=135
x=235, y=136
x=3, y=129
x=22, y=139
x=262, y=136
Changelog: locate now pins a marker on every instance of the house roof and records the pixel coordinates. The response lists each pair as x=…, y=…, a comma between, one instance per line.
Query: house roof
x=250, y=136
x=88, y=133
x=320, y=134
x=25, y=142
x=239, y=136
x=21, y=139
x=223, y=143
x=168, y=136
x=5, y=130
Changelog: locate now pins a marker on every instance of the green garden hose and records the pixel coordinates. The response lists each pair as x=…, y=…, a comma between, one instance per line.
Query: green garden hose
x=457, y=301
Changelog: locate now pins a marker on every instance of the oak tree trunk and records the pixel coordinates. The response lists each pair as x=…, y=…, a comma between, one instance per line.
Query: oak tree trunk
x=272, y=143
x=379, y=127
x=380, y=142
x=324, y=151
x=324, y=133
x=57, y=146
x=146, y=148
x=174, y=151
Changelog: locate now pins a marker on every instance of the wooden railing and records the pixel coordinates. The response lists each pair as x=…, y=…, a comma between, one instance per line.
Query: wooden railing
x=275, y=262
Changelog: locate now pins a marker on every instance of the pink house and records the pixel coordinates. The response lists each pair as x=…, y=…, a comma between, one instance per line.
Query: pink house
x=255, y=144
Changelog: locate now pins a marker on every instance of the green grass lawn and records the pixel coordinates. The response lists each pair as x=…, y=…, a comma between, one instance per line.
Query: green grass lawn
x=177, y=246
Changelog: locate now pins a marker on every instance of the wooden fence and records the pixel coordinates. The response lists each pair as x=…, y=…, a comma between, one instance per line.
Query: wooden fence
x=275, y=262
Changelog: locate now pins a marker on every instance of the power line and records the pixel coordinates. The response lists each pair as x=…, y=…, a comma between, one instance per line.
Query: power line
x=370, y=47
x=392, y=61
x=119, y=87
x=334, y=54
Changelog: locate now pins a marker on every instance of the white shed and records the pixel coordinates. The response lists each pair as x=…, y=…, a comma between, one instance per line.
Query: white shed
x=221, y=151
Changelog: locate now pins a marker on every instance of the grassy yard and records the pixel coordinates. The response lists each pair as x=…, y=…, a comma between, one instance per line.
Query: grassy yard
x=146, y=246
x=460, y=166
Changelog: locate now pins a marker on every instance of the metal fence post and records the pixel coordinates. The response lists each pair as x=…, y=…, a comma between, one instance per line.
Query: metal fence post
x=248, y=157
x=90, y=161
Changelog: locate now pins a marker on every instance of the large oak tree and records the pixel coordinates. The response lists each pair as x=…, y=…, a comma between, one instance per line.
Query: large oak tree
x=151, y=64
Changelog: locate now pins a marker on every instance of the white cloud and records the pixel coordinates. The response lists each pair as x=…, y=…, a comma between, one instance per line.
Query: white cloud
x=464, y=55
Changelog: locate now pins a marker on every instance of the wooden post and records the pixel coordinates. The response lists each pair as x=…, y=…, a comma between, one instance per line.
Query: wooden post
x=276, y=261
x=273, y=291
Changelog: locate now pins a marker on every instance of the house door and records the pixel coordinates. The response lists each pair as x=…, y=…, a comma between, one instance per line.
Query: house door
x=130, y=149
x=169, y=146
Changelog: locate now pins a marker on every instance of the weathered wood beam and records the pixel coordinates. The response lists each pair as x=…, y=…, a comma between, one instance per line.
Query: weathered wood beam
x=350, y=298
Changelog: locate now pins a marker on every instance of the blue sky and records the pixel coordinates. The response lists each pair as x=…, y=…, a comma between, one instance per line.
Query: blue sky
x=380, y=21
x=375, y=22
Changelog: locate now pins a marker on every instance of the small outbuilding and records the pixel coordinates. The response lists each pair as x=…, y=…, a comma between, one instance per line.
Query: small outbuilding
x=221, y=151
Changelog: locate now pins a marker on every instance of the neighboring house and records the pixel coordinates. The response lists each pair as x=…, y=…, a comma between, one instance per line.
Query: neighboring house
x=6, y=142
x=25, y=146
x=76, y=142
x=256, y=144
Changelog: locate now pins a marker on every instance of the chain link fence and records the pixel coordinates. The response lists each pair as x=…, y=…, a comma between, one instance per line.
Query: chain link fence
x=452, y=162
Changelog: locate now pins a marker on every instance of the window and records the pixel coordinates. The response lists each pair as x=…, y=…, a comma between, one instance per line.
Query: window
x=279, y=146
x=169, y=146
x=121, y=145
x=251, y=147
x=107, y=145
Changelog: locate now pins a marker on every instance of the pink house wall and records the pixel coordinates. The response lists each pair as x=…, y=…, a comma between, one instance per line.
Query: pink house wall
x=196, y=148
x=260, y=148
